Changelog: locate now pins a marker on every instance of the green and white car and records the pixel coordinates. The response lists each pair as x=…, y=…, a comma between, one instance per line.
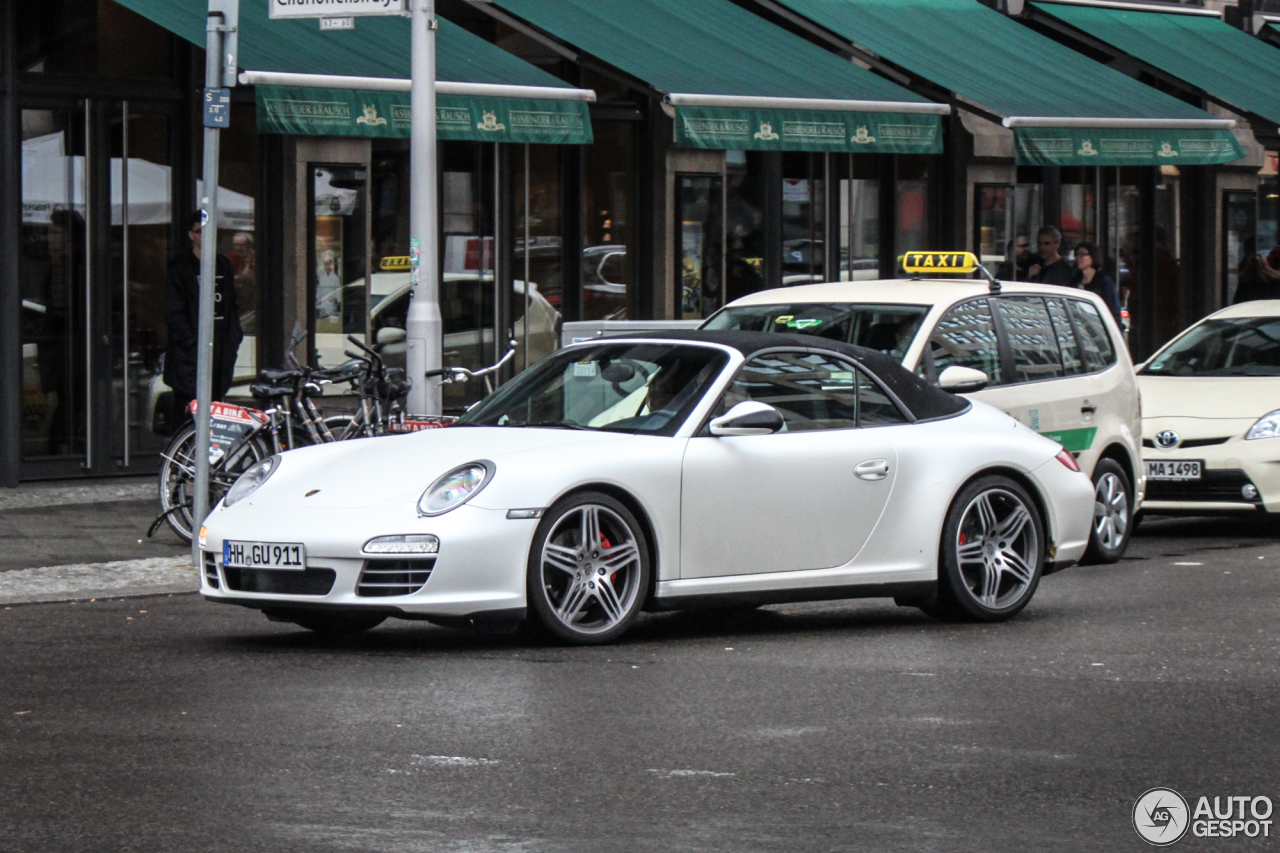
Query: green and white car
x=1052, y=357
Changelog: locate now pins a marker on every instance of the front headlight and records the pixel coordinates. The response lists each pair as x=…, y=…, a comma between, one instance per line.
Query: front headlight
x=250, y=480
x=1268, y=426
x=455, y=488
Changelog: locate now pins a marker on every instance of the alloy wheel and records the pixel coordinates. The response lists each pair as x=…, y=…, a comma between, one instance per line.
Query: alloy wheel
x=997, y=548
x=1110, y=511
x=590, y=569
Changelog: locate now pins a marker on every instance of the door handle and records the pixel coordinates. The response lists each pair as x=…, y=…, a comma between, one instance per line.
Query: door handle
x=1088, y=409
x=873, y=469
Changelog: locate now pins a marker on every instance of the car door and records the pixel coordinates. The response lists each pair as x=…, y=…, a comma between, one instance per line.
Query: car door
x=807, y=497
x=1048, y=391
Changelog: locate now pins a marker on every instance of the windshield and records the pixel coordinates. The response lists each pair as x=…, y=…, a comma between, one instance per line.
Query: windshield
x=1248, y=346
x=639, y=388
x=887, y=328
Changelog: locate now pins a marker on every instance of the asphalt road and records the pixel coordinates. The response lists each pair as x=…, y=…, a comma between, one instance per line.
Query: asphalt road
x=171, y=724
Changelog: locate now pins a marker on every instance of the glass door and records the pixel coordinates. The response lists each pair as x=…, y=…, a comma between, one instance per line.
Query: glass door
x=138, y=248
x=54, y=276
x=96, y=229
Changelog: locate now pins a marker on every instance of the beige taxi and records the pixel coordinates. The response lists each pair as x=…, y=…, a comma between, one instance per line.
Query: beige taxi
x=1211, y=415
x=1050, y=356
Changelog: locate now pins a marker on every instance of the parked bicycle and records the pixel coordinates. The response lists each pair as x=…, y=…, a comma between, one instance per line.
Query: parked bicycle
x=241, y=436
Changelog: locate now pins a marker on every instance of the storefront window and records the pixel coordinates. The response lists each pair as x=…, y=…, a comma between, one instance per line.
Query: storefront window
x=1240, y=243
x=699, y=238
x=1078, y=210
x=859, y=217
x=803, y=218
x=914, y=226
x=608, y=216
x=338, y=266
x=744, y=224
x=1122, y=240
x=536, y=295
x=1008, y=217
x=90, y=37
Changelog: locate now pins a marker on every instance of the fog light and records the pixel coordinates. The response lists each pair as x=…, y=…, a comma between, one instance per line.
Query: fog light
x=405, y=543
x=1249, y=490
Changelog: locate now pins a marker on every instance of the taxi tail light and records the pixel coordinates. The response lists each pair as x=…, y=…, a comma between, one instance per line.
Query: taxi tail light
x=1068, y=460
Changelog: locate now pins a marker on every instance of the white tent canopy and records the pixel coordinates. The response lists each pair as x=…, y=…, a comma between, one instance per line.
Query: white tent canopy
x=53, y=181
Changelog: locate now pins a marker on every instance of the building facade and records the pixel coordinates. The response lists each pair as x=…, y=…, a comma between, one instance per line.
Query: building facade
x=643, y=212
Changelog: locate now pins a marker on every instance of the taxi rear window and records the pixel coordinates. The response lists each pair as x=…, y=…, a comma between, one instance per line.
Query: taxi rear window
x=887, y=328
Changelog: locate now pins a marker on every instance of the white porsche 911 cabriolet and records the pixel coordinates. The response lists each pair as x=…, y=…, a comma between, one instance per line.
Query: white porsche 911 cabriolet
x=678, y=470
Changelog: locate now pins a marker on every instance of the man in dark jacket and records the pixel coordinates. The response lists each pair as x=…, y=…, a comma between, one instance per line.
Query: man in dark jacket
x=181, y=313
x=1050, y=267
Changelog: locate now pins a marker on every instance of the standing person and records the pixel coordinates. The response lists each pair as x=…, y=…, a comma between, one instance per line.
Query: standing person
x=1090, y=276
x=1017, y=260
x=182, y=312
x=1050, y=267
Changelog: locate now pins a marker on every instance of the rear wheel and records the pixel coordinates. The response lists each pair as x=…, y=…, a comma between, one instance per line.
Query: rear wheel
x=992, y=552
x=1112, y=514
x=588, y=569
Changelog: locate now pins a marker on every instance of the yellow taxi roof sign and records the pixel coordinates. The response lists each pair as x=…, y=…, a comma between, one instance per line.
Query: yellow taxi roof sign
x=395, y=262
x=939, y=263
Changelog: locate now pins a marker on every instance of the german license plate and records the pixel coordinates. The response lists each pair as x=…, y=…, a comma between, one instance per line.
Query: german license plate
x=1175, y=469
x=288, y=556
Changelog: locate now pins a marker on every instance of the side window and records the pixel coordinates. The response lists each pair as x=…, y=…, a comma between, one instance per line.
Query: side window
x=811, y=391
x=1066, y=338
x=1031, y=338
x=1098, y=350
x=966, y=335
x=874, y=406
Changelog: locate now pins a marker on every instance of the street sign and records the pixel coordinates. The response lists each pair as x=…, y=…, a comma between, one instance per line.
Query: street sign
x=337, y=23
x=326, y=8
x=217, y=107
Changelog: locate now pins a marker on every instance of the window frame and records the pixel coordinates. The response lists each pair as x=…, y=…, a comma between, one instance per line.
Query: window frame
x=908, y=417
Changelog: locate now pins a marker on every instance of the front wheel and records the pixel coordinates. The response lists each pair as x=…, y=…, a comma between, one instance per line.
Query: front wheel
x=1112, y=522
x=588, y=569
x=992, y=552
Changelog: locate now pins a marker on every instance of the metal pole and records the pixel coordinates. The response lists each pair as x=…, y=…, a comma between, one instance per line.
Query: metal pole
x=424, y=326
x=124, y=264
x=208, y=271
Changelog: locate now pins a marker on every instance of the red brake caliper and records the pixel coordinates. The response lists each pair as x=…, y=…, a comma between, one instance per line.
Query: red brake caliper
x=604, y=543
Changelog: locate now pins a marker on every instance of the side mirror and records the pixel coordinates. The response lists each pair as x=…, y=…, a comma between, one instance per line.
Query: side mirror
x=389, y=335
x=748, y=418
x=962, y=380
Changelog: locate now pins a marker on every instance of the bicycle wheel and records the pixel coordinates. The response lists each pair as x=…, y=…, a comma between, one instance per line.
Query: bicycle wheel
x=344, y=427
x=178, y=477
x=178, y=480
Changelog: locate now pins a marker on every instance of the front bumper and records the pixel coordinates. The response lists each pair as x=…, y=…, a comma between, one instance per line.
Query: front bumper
x=1231, y=466
x=479, y=571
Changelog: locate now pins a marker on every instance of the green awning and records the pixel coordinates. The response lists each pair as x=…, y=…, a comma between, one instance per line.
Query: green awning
x=377, y=47
x=1030, y=80
x=1200, y=49
x=735, y=81
x=353, y=112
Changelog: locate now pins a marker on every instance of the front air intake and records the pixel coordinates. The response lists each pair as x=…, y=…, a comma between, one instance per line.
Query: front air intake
x=382, y=578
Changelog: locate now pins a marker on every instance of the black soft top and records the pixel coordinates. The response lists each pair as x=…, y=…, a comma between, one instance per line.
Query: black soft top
x=922, y=400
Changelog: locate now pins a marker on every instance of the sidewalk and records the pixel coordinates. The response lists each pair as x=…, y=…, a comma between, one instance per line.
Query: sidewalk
x=76, y=540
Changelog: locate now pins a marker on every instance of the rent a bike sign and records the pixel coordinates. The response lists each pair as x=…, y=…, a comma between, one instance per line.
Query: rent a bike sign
x=334, y=8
